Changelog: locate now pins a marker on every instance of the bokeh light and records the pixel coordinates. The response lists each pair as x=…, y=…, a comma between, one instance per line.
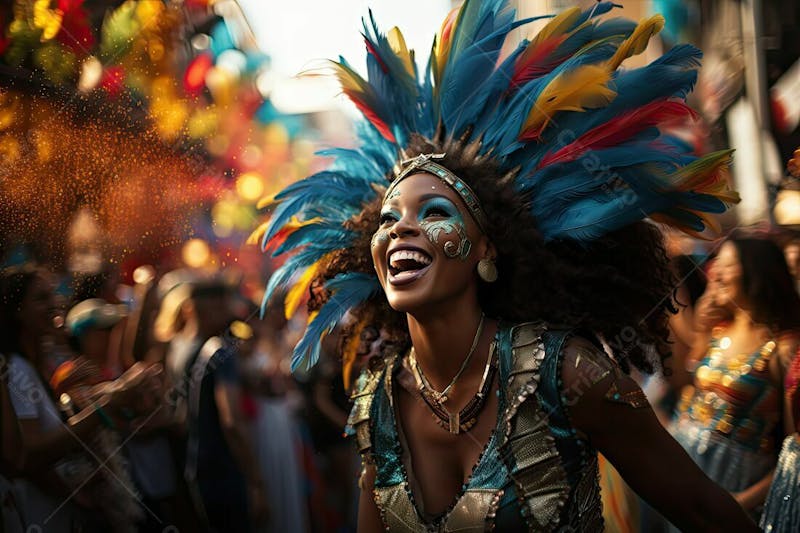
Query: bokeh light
x=196, y=253
x=250, y=186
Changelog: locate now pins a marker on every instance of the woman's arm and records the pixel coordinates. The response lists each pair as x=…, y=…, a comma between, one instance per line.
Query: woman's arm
x=369, y=517
x=622, y=426
x=755, y=494
x=40, y=449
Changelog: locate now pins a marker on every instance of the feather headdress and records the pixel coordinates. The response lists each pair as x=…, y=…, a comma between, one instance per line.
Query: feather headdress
x=549, y=114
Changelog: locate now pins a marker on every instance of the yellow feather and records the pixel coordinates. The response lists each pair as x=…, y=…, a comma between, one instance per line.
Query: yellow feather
x=584, y=88
x=708, y=219
x=296, y=293
x=291, y=226
x=349, y=79
x=707, y=175
x=350, y=352
x=255, y=237
x=441, y=46
x=398, y=44
x=46, y=19
x=266, y=201
x=637, y=42
x=557, y=25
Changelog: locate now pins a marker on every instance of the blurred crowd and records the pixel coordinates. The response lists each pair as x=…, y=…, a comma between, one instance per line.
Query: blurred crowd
x=166, y=405
x=169, y=405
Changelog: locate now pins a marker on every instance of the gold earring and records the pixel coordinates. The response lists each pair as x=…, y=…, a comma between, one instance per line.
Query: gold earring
x=487, y=270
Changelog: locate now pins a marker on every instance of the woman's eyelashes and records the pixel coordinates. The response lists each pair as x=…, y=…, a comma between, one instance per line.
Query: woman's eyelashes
x=438, y=207
x=389, y=217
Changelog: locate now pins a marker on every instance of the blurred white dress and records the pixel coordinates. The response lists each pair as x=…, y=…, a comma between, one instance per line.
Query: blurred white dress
x=277, y=446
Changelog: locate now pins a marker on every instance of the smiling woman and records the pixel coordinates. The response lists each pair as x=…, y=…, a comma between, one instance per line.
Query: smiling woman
x=498, y=253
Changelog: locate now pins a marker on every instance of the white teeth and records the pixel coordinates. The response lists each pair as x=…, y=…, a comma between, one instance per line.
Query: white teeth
x=400, y=255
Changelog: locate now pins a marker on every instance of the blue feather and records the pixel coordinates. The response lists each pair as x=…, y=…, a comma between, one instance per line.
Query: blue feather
x=463, y=99
x=635, y=88
x=281, y=277
x=326, y=187
x=348, y=291
x=600, y=8
x=505, y=132
x=682, y=55
x=323, y=235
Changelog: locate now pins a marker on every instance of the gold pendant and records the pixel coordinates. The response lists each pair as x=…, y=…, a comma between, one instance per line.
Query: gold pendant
x=454, y=422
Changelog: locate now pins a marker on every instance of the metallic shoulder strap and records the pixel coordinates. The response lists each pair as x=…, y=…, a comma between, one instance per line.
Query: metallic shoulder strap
x=527, y=446
x=358, y=421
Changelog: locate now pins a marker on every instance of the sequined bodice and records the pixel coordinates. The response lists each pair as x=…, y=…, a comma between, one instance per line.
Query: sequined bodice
x=533, y=475
x=733, y=396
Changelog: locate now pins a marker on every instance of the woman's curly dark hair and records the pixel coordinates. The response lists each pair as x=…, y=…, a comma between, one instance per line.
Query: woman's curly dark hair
x=619, y=287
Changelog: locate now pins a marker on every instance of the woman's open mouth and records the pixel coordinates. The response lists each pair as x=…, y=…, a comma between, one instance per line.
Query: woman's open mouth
x=407, y=265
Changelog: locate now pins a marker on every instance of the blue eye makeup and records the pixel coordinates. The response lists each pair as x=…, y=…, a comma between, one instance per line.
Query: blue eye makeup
x=388, y=215
x=439, y=207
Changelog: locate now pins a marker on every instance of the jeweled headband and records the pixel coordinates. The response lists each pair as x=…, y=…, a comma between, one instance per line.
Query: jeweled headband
x=424, y=162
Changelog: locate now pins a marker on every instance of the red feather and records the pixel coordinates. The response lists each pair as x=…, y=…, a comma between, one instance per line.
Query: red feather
x=620, y=129
x=531, y=64
x=279, y=238
x=532, y=134
x=372, y=116
x=371, y=49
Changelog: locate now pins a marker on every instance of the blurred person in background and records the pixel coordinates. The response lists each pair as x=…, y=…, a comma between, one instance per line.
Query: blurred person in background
x=11, y=442
x=96, y=327
x=749, y=318
x=41, y=487
x=325, y=415
x=265, y=352
x=156, y=452
x=782, y=508
x=220, y=466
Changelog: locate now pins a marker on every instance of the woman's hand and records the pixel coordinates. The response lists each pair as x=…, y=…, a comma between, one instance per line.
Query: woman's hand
x=138, y=389
x=708, y=312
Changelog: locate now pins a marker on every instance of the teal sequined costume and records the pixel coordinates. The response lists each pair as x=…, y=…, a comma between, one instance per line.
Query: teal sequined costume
x=782, y=508
x=535, y=473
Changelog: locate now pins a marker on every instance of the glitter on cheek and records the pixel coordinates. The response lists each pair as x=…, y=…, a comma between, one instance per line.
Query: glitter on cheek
x=380, y=237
